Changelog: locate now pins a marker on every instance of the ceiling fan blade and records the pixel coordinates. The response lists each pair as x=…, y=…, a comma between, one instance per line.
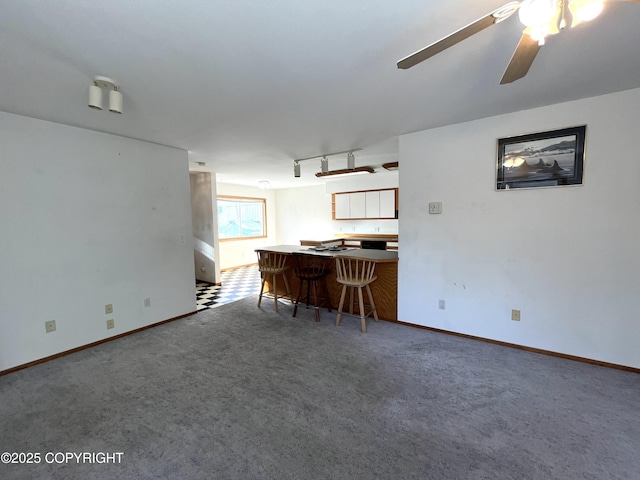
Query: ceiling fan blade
x=522, y=59
x=446, y=42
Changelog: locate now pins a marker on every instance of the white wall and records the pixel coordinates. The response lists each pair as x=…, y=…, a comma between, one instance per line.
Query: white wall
x=242, y=252
x=303, y=213
x=567, y=257
x=88, y=219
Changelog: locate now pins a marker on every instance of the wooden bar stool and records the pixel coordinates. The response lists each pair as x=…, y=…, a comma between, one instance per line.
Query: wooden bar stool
x=274, y=264
x=312, y=270
x=356, y=273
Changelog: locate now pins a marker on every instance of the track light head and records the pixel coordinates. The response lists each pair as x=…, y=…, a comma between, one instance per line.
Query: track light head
x=296, y=169
x=115, y=101
x=351, y=161
x=324, y=164
x=95, y=97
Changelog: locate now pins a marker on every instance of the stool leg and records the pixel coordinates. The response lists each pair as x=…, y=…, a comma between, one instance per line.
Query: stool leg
x=325, y=290
x=344, y=292
x=363, y=322
x=373, y=305
x=351, y=292
x=295, y=305
x=275, y=290
x=286, y=284
x=315, y=300
x=308, y=298
x=264, y=279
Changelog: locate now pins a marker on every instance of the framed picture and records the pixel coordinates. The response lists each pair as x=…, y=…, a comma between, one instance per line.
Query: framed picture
x=545, y=159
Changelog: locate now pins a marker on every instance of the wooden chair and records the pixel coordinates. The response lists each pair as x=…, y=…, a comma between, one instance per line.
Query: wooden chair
x=356, y=273
x=274, y=264
x=312, y=270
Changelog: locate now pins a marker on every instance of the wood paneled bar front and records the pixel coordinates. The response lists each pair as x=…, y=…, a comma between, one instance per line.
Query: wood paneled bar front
x=384, y=288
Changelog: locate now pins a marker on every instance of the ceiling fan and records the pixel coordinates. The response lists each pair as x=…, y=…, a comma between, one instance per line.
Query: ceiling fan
x=541, y=19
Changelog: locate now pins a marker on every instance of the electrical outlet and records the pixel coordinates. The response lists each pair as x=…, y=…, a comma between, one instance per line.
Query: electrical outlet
x=110, y=324
x=441, y=304
x=515, y=315
x=108, y=308
x=147, y=302
x=50, y=326
x=435, y=207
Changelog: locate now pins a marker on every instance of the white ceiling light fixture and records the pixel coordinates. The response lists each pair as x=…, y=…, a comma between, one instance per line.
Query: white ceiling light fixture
x=264, y=184
x=95, y=94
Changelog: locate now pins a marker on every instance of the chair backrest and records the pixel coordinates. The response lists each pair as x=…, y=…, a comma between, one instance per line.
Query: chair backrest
x=355, y=270
x=310, y=266
x=271, y=261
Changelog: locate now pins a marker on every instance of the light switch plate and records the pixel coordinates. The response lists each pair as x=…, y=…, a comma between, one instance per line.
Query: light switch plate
x=435, y=207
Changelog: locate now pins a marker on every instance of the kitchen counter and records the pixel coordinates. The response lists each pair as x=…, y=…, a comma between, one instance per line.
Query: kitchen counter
x=384, y=288
x=354, y=239
x=379, y=256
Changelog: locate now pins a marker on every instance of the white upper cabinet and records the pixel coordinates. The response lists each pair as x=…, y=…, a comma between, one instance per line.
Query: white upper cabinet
x=357, y=205
x=341, y=202
x=374, y=204
x=388, y=205
x=372, y=207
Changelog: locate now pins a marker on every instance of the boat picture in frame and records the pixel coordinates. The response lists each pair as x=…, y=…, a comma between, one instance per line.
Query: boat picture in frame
x=546, y=159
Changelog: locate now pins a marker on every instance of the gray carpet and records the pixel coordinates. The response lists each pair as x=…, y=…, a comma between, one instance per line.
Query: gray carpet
x=239, y=392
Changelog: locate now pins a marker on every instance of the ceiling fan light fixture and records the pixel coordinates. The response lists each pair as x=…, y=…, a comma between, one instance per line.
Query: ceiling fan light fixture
x=505, y=11
x=584, y=10
x=534, y=13
x=541, y=18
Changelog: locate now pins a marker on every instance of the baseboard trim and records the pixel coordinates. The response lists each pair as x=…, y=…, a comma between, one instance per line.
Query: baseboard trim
x=423, y=327
x=528, y=349
x=93, y=344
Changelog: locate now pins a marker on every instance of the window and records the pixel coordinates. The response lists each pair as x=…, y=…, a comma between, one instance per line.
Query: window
x=241, y=217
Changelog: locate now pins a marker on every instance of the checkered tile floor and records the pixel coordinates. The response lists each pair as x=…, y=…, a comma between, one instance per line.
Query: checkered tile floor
x=237, y=283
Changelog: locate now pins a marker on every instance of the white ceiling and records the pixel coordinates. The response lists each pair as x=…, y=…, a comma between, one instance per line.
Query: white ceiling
x=249, y=85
